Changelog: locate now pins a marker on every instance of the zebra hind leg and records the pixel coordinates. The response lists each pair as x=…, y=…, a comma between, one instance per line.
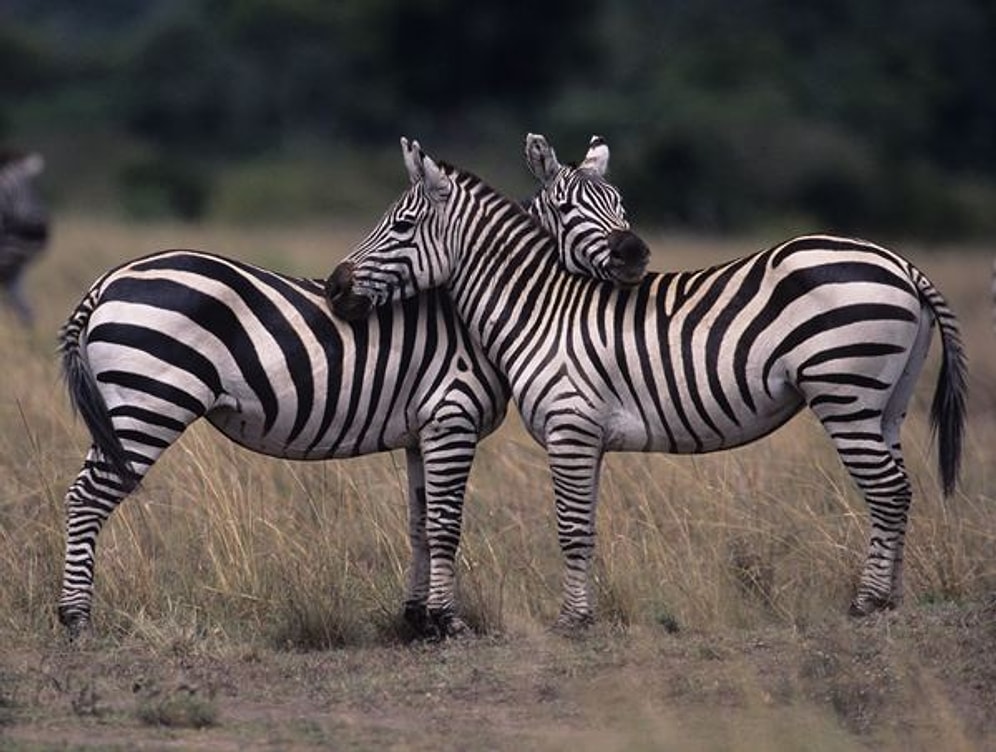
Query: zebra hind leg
x=878, y=471
x=90, y=500
x=892, y=419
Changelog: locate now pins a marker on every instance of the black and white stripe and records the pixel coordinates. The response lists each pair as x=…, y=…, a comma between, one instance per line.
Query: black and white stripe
x=683, y=362
x=585, y=213
x=180, y=335
x=24, y=226
x=167, y=339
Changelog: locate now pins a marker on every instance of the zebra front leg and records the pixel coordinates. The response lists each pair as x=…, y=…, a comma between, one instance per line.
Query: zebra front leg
x=448, y=452
x=417, y=586
x=575, y=464
x=91, y=498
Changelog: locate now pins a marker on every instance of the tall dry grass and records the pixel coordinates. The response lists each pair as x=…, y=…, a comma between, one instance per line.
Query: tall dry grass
x=221, y=542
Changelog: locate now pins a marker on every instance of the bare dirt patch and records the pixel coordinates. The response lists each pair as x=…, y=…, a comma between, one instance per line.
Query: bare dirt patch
x=905, y=680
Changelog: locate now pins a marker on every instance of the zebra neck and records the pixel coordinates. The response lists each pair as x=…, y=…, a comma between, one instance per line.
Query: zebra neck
x=508, y=285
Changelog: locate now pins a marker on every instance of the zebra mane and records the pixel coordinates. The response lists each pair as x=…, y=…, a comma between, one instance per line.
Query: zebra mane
x=477, y=184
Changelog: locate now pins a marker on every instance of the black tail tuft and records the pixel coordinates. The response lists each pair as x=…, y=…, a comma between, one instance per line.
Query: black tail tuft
x=947, y=413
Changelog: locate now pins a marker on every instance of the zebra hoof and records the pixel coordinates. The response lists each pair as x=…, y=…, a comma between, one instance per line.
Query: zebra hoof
x=866, y=605
x=445, y=625
x=416, y=618
x=572, y=623
x=77, y=623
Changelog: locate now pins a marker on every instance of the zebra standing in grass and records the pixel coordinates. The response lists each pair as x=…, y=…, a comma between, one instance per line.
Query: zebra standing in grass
x=23, y=226
x=683, y=362
x=164, y=340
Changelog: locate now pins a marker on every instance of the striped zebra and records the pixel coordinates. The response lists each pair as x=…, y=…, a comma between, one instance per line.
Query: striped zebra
x=23, y=226
x=682, y=362
x=164, y=340
x=585, y=213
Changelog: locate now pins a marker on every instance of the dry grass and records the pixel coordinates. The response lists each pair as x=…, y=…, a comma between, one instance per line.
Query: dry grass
x=224, y=552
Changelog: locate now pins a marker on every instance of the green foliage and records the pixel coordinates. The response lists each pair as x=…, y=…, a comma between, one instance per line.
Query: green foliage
x=848, y=116
x=161, y=187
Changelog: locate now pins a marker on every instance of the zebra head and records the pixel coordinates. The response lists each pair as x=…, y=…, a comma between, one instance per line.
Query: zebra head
x=585, y=213
x=402, y=253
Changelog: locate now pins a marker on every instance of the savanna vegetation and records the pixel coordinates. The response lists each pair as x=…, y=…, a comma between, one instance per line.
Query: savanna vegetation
x=251, y=602
x=859, y=115
x=244, y=602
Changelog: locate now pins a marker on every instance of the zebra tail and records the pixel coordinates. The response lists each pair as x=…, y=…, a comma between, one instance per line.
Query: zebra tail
x=86, y=399
x=947, y=412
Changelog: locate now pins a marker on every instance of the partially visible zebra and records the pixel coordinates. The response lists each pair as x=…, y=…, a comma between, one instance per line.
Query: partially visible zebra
x=23, y=226
x=683, y=362
x=164, y=340
x=577, y=205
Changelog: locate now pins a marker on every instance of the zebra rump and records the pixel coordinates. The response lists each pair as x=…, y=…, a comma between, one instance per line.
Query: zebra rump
x=85, y=396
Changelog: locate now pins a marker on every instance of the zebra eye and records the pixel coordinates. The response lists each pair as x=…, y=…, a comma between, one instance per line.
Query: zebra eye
x=402, y=225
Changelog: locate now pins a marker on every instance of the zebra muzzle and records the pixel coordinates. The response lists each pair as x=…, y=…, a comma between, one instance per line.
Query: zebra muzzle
x=629, y=257
x=340, y=296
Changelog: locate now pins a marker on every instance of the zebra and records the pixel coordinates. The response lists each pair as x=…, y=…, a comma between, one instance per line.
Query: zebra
x=585, y=213
x=24, y=226
x=682, y=362
x=166, y=339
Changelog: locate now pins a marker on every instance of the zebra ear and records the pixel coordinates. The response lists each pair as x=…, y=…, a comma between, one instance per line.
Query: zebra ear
x=597, y=158
x=437, y=184
x=412, y=163
x=541, y=158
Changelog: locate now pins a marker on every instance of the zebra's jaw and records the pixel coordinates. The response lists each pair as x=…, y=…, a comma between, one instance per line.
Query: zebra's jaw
x=341, y=298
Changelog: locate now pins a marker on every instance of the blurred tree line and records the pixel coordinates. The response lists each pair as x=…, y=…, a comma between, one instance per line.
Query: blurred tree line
x=857, y=115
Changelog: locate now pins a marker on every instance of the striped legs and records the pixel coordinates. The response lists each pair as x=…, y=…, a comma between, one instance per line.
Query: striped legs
x=91, y=498
x=417, y=586
x=574, y=452
x=865, y=428
x=883, y=481
x=435, y=521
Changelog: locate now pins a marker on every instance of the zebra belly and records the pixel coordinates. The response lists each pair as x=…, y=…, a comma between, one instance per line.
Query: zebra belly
x=686, y=433
x=247, y=429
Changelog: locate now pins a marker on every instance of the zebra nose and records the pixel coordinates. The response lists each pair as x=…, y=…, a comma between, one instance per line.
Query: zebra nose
x=340, y=296
x=630, y=255
x=339, y=281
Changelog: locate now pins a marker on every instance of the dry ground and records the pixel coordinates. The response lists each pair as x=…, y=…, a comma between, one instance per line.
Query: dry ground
x=912, y=680
x=225, y=620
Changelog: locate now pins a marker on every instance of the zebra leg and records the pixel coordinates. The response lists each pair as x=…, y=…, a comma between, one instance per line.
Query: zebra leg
x=91, y=498
x=417, y=587
x=892, y=421
x=575, y=463
x=448, y=447
x=882, y=480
